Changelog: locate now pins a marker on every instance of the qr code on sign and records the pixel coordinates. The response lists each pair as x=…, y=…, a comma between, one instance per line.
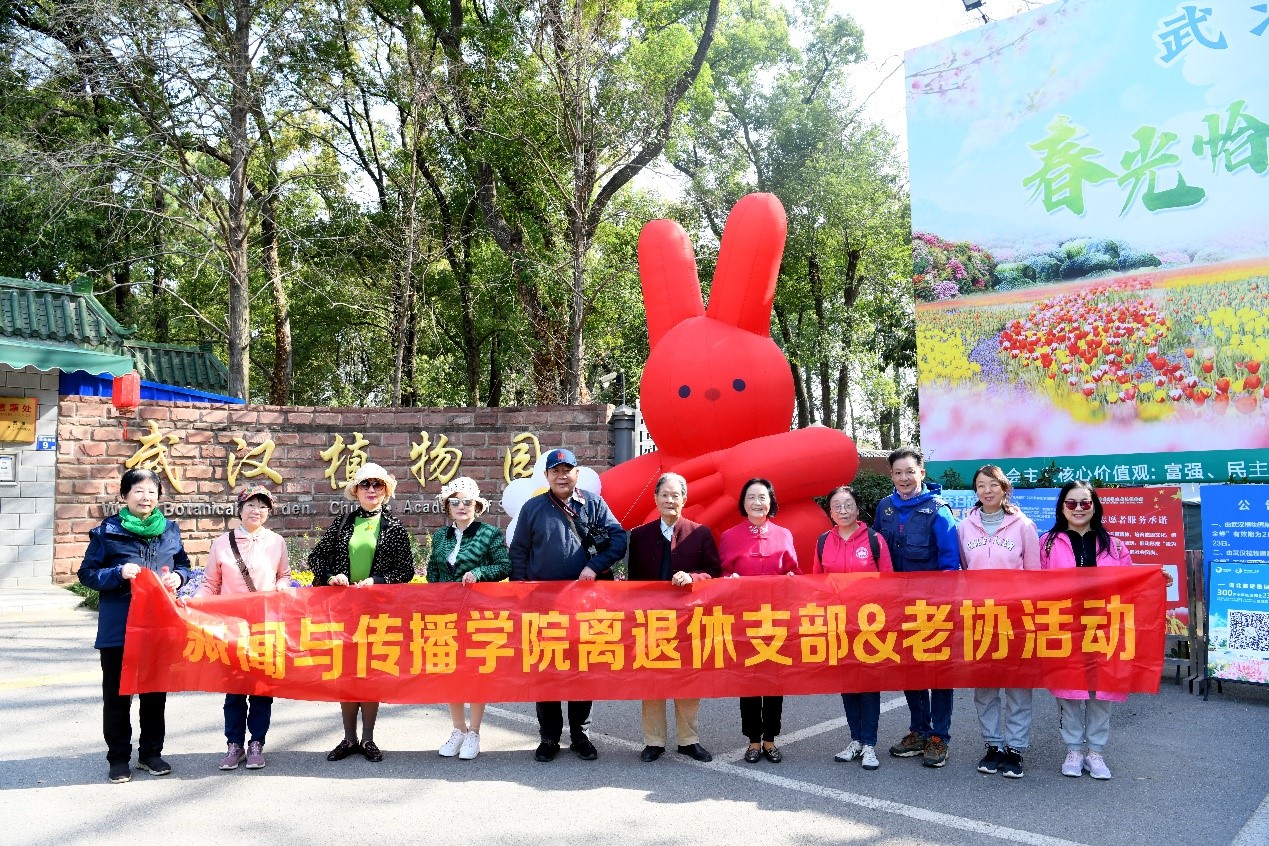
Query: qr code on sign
x=1249, y=630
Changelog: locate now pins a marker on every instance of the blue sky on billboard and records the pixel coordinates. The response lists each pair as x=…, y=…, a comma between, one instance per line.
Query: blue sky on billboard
x=991, y=94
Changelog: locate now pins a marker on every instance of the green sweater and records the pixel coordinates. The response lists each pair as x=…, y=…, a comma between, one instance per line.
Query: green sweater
x=483, y=552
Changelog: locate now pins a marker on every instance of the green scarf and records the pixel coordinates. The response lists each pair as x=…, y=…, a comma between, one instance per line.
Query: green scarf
x=151, y=527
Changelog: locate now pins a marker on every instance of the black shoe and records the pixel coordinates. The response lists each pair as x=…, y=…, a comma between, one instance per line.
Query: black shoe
x=154, y=765
x=584, y=749
x=753, y=754
x=371, y=751
x=772, y=754
x=345, y=748
x=651, y=753
x=546, y=751
x=696, y=752
x=1011, y=763
x=991, y=761
x=120, y=772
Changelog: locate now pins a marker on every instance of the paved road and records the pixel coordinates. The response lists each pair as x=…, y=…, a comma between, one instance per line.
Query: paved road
x=1186, y=772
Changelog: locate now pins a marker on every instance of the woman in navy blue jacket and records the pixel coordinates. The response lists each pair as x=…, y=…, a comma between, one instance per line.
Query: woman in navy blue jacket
x=138, y=537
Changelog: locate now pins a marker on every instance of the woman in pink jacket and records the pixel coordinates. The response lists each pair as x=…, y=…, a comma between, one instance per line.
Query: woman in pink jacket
x=1078, y=539
x=998, y=536
x=852, y=547
x=758, y=547
x=247, y=559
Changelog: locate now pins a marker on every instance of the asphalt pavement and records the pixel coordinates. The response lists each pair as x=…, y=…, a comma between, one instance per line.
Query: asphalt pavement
x=1185, y=772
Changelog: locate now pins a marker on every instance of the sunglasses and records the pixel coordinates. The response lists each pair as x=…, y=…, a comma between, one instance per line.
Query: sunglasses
x=1078, y=504
x=371, y=484
x=454, y=502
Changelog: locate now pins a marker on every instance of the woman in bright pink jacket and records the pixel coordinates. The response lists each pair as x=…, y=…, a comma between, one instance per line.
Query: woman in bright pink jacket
x=1078, y=539
x=998, y=536
x=852, y=547
x=758, y=547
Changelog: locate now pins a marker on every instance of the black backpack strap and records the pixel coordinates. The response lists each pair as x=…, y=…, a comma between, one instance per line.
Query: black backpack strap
x=874, y=546
x=819, y=547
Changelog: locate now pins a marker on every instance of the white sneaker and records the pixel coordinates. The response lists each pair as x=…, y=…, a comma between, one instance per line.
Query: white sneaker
x=471, y=746
x=450, y=748
x=1073, y=766
x=1096, y=766
x=850, y=753
x=870, y=761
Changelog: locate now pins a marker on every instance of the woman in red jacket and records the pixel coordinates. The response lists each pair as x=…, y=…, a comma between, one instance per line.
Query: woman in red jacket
x=758, y=547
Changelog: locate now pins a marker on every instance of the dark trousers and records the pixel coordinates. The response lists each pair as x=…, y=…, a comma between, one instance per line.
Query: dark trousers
x=931, y=712
x=760, y=717
x=239, y=718
x=551, y=720
x=863, y=711
x=116, y=713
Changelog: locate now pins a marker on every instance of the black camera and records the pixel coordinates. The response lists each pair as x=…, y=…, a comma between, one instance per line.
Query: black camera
x=596, y=539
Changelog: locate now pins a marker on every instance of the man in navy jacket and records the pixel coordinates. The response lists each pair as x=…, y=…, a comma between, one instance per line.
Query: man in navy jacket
x=563, y=534
x=920, y=532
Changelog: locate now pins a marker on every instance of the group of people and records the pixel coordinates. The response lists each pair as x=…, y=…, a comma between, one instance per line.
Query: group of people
x=567, y=533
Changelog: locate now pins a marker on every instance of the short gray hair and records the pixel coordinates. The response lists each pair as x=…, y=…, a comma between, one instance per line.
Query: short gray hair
x=671, y=477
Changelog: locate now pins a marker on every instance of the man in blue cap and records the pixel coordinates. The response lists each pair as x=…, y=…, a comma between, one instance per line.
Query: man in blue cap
x=565, y=534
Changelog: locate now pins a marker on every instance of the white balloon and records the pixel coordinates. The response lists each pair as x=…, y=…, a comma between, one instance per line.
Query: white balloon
x=588, y=480
x=516, y=494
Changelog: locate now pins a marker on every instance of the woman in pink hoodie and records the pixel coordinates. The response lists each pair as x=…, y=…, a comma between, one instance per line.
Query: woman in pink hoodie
x=1078, y=539
x=851, y=546
x=247, y=559
x=998, y=536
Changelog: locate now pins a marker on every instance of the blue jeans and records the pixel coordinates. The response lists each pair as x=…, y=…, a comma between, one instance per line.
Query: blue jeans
x=238, y=718
x=862, y=712
x=931, y=712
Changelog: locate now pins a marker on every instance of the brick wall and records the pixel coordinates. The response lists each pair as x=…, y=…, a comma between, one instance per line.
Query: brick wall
x=92, y=451
x=26, y=508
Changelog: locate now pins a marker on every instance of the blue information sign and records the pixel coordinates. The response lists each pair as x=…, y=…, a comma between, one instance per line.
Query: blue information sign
x=1236, y=558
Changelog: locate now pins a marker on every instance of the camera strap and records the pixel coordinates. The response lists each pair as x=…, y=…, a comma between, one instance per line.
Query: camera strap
x=572, y=517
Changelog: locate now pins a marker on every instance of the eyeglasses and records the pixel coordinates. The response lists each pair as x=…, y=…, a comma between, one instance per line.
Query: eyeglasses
x=455, y=502
x=845, y=507
x=255, y=504
x=371, y=484
x=1078, y=504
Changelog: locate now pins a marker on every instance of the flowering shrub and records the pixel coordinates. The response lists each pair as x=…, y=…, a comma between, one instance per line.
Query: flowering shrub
x=966, y=266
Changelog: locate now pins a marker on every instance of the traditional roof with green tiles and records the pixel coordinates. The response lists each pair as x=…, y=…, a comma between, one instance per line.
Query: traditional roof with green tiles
x=65, y=327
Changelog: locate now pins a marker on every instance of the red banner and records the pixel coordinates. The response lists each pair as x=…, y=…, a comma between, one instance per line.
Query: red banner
x=1099, y=629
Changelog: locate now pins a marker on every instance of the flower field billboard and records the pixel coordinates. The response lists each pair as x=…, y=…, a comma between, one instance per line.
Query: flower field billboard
x=1090, y=212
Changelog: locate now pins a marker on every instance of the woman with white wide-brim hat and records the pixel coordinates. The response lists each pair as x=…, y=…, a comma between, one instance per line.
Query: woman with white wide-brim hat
x=467, y=551
x=366, y=546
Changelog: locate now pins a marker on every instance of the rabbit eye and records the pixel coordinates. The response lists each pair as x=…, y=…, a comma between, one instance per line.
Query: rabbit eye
x=685, y=391
x=738, y=384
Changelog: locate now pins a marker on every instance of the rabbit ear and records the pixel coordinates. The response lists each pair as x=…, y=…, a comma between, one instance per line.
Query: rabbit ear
x=667, y=269
x=748, y=264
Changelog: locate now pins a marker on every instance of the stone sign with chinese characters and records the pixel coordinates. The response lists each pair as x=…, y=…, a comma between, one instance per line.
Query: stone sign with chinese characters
x=202, y=453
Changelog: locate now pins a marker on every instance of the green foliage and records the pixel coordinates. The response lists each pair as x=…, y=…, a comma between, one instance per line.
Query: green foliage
x=91, y=598
x=872, y=488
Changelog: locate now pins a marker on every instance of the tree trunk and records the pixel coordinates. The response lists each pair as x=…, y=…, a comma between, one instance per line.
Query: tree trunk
x=821, y=329
x=283, y=362
x=239, y=271
x=158, y=294
x=799, y=387
x=495, y=372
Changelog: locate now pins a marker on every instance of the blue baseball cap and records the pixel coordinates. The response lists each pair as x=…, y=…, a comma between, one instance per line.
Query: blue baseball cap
x=560, y=456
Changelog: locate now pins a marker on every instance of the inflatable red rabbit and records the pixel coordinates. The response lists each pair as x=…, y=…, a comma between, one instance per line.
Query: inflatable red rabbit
x=717, y=393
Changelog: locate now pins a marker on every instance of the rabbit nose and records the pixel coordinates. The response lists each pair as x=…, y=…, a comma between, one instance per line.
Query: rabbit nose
x=712, y=394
